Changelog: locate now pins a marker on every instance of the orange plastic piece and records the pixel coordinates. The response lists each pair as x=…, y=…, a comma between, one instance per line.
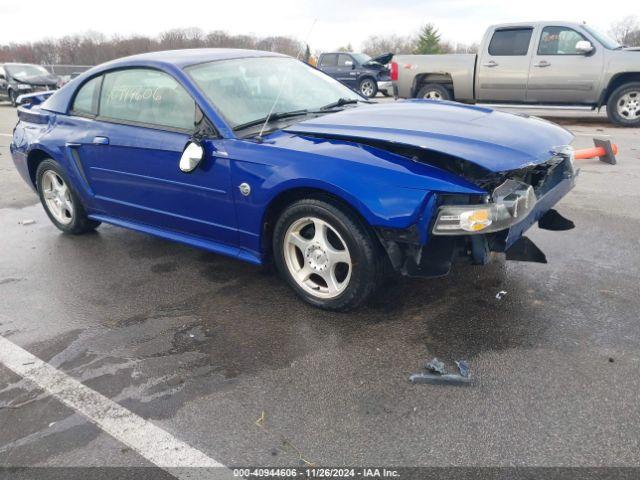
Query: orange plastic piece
x=593, y=152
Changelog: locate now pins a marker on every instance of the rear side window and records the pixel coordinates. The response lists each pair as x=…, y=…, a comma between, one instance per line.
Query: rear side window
x=510, y=42
x=329, y=60
x=147, y=97
x=559, y=41
x=86, y=100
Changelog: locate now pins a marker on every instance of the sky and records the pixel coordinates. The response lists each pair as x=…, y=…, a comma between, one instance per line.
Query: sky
x=337, y=22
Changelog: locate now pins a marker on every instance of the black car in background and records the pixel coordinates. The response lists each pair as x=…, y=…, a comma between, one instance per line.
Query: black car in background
x=19, y=78
x=359, y=71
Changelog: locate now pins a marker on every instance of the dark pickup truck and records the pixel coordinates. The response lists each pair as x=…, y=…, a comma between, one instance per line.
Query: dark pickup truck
x=366, y=75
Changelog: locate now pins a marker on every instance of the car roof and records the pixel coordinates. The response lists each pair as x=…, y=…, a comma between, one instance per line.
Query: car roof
x=191, y=56
x=168, y=60
x=537, y=23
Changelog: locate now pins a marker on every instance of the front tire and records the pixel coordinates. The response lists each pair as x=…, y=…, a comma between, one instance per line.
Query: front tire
x=434, y=91
x=327, y=254
x=62, y=204
x=623, y=107
x=368, y=87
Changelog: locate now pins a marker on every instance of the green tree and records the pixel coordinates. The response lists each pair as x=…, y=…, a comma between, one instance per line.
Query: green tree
x=347, y=48
x=307, y=54
x=428, y=40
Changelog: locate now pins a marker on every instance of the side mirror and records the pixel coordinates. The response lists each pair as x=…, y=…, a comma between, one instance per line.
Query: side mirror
x=191, y=157
x=584, y=47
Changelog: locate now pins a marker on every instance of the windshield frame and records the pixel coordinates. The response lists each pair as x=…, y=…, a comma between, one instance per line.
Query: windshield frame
x=277, y=123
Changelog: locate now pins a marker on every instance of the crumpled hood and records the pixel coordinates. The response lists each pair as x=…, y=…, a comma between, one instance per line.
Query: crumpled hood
x=380, y=60
x=494, y=140
x=37, y=79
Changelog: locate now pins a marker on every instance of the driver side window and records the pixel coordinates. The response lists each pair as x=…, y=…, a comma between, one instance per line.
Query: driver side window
x=345, y=60
x=559, y=41
x=147, y=97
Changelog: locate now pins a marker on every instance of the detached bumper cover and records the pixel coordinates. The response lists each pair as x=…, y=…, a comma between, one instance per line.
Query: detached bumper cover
x=541, y=207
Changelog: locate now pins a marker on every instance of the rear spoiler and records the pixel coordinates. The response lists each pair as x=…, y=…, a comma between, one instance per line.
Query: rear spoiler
x=34, y=98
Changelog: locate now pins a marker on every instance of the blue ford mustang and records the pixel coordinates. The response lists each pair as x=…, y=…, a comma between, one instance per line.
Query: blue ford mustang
x=258, y=156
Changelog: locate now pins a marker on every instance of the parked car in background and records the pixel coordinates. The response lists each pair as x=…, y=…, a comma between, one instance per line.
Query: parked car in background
x=19, y=78
x=539, y=63
x=359, y=71
x=260, y=157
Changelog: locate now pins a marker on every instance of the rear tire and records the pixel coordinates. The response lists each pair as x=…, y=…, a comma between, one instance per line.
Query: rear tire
x=434, y=91
x=623, y=107
x=327, y=254
x=62, y=204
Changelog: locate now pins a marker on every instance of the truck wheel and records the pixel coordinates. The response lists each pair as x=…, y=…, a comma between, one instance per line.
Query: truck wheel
x=623, y=107
x=368, y=87
x=434, y=91
x=327, y=254
x=59, y=200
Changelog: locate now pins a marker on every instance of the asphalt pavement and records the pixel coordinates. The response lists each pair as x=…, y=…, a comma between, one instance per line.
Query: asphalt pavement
x=222, y=356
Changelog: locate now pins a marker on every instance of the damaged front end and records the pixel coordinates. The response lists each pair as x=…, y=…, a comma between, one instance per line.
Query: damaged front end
x=473, y=227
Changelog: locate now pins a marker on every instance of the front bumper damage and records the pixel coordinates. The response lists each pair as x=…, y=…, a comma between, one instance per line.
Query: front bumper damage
x=509, y=211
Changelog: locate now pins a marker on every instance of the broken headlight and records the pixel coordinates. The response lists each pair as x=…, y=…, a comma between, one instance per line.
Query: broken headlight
x=511, y=202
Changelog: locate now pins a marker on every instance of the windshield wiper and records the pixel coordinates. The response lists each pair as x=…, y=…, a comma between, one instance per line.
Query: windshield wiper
x=340, y=102
x=272, y=117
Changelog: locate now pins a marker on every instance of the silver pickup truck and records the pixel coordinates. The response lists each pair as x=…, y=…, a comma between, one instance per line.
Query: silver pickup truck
x=540, y=63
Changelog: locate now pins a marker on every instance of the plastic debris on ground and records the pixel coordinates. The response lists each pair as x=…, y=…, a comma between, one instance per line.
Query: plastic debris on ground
x=463, y=368
x=436, y=366
x=438, y=375
x=27, y=221
x=500, y=295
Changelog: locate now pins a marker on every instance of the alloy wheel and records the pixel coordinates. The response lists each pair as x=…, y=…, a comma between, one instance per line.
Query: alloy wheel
x=367, y=88
x=433, y=95
x=317, y=257
x=629, y=105
x=57, y=197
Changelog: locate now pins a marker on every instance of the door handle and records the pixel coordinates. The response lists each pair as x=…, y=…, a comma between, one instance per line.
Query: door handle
x=72, y=145
x=542, y=64
x=490, y=64
x=100, y=140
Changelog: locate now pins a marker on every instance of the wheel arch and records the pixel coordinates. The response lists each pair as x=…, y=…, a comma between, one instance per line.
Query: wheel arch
x=617, y=81
x=34, y=158
x=444, y=79
x=365, y=76
x=287, y=196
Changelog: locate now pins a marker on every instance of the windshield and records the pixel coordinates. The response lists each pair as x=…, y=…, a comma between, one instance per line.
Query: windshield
x=245, y=89
x=361, y=58
x=26, y=70
x=603, y=38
